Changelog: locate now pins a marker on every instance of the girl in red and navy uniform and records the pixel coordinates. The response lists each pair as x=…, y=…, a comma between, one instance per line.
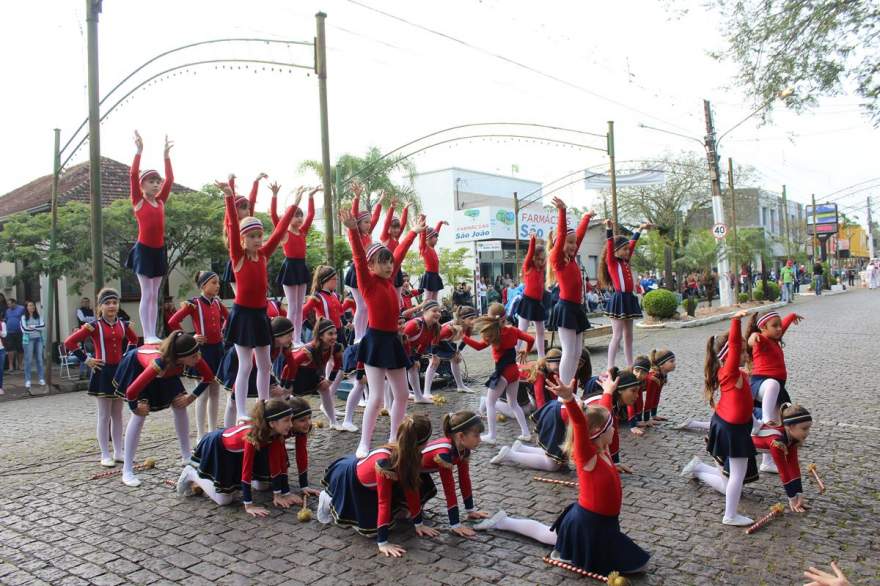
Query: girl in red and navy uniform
x=615, y=273
x=208, y=314
x=149, y=379
x=380, y=350
x=248, y=327
x=768, y=372
x=324, y=301
x=294, y=276
x=449, y=346
x=310, y=363
x=782, y=442
x=505, y=379
x=531, y=304
x=408, y=294
x=244, y=208
x=110, y=337
x=617, y=403
x=730, y=432
x=392, y=228
x=148, y=258
x=461, y=435
x=250, y=455
x=587, y=533
x=431, y=282
x=365, y=492
x=365, y=224
x=569, y=316
x=652, y=372
x=422, y=333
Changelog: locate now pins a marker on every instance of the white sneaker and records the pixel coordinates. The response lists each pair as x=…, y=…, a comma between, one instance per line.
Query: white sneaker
x=491, y=522
x=464, y=390
x=119, y=458
x=487, y=439
x=769, y=466
x=738, y=521
x=346, y=426
x=516, y=447
x=361, y=452
x=336, y=427
x=688, y=470
x=501, y=456
x=362, y=403
x=184, y=486
x=152, y=340
x=483, y=406
x=682, y=425
x=323, y=512
x=42, y=383
x=27, y=385
x=424, y=399
x=524, y=438
x=108, y=462
x=129, y=479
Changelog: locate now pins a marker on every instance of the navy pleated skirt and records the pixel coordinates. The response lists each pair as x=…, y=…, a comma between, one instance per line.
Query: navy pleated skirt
x=147, y=261
x=213, y=355
x=755, y=384
x=595, y=543
x=101, y=382
x=623, y=305
x=294, y=272
x=571, y=316
x=217, y=464
x=159, y=393
x=248, y=326
x=531, y=309
x=431, y=282
x=730, y=440
x=382, y=350
x=307, y=381
x=351, y=502
x=445, y=350
x=228, y=273
x=551, y=430
x=351, y=279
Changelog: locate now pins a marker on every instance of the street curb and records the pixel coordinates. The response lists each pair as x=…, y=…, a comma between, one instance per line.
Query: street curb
x=19, y=393
x=677, y=325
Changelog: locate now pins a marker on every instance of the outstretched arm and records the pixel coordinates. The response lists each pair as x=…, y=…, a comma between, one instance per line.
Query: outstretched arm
x=169, y=173
x=582, y=228
x=557, y=255
x=310, y=212
x=530, y=255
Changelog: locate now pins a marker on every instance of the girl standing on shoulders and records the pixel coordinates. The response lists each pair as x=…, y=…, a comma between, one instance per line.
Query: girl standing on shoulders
x=248, y=327
x=390, y=237
x=208, y=315
x=148, y=259
x=244, y=208
x=730, y=433
x=110, y=337
x=365, y=224
x=431, y=282
x=623, y=307
x=531, y=305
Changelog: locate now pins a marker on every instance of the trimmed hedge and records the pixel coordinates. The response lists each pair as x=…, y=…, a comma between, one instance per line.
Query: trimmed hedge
x=772, y=291
x=660, y=303
x=742, y=297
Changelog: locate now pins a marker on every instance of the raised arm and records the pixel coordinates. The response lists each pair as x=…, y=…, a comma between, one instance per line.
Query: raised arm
x=530, y=254
x=403, y=248
x=557, y=255
x=359, y=257
x=135, y=179
x=169, y=180
x=252, y=196
x=582, y=228
x=633, y=242
x=584, y=450
x=386, y=225
x=734, y=350
x=278, y=233
x=273, y=209
x=791, y=318
x=310, y=215
x=438, y=226
x=374, y=217
x=404, y=216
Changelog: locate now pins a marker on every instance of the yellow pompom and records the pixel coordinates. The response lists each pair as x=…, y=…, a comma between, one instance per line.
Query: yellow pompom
x=615, y=579
x=319, y=424
x=384, y=412
x=501, y=418
x=150, y=462
x=304, y=515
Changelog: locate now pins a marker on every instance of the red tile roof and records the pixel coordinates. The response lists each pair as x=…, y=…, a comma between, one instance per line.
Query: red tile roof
x=73, y=186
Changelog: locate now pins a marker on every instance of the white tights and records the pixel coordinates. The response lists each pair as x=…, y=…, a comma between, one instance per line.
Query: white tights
x=572, y=344
x=148, y=310
x=246, y=357
x=528, y=527
x=361, y=317
x=354, y=397
x=730, y=487
x=295, y=295
x=430, y=373
x=455, y=367
x=207, y=408
x=412, y=375
x=376, y=379
x=133, y=437
x=503, y=408
x=539, y=335
x=621, y=328
x=531, y=457
x=431, y=295
x=208, y=487
x=492, y=396
x=229, y=414
x=110, y=425
x=328, y=407
x=769, y=395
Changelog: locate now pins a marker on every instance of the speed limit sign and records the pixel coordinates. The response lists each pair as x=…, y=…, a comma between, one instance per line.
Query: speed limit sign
x=719, y=230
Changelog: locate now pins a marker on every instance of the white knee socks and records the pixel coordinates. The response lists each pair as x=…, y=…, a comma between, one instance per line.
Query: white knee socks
x=412, y=375
x=181, y=427
x=229, y=414
x=769, y=394
x=431, y=295
x=354, y=397
x=571, y=353
x=361, y=318
x=264, y=371
x=512, y=391
x=430, y=373
x=132, y=438
x=242, y=379
x=529, y=528
x=376, y=380
x=397, y=380
x=533, y=458
x=711, y=476
x=116, y=430
x=207, y=406
x=103, y=429
x=738, y=467
x=148, y=309
x=539, y=335
x=327, y=405
x=492, y=396
x=617, y=329
x=207, y=487
x=295, y=295
x=455, y=367
x=628, y=341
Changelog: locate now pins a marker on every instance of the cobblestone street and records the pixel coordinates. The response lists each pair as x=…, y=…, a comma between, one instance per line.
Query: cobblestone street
x=59, y=527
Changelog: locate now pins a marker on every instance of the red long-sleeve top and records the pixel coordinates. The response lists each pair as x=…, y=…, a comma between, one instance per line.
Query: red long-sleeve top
x=773, y=439
x=407, y=298
x=379, y=294
x=154, y=367
x=295, y=242
x=235, y=440
x=532, y=276
x=349, y=305
x=539, y=386
x=510, y=337
x=736, y=403
x=374, y=473
x=650, y=398
x=367, y=239
x=618, y=269
x=325, y=304
x=308, y=357
x=420, y=336
x=385, y=235
x=251, y=275
x=107, y=338
x=428, y=254
x=150, y=216
x=599, y=489
x=207, y=315
x=441, y=455
x=768, y=359
x=568, y=273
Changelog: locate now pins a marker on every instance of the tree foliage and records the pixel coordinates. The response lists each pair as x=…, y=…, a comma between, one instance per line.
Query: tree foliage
x=452, y=267
x=817, y=48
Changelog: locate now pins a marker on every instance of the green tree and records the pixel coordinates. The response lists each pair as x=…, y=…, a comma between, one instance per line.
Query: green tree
x=452, y=267
x=817, y=48
x=700, y=253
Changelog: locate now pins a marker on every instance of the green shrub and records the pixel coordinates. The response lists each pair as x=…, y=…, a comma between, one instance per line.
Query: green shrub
x=660, y=303
x=772, y=291
x=742, y=297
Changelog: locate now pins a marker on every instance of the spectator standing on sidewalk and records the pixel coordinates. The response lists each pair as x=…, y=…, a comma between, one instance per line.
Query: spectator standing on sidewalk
x=32, y=327
x=818, y=277
x=2, y=353
x=482, y=293
x=85, y=314
x=787, y=277
x=13, y=345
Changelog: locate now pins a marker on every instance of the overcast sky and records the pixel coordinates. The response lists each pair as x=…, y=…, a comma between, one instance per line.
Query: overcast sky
x=582, y=64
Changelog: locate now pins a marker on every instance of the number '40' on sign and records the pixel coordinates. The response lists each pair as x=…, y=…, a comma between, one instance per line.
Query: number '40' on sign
x=719, y=230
